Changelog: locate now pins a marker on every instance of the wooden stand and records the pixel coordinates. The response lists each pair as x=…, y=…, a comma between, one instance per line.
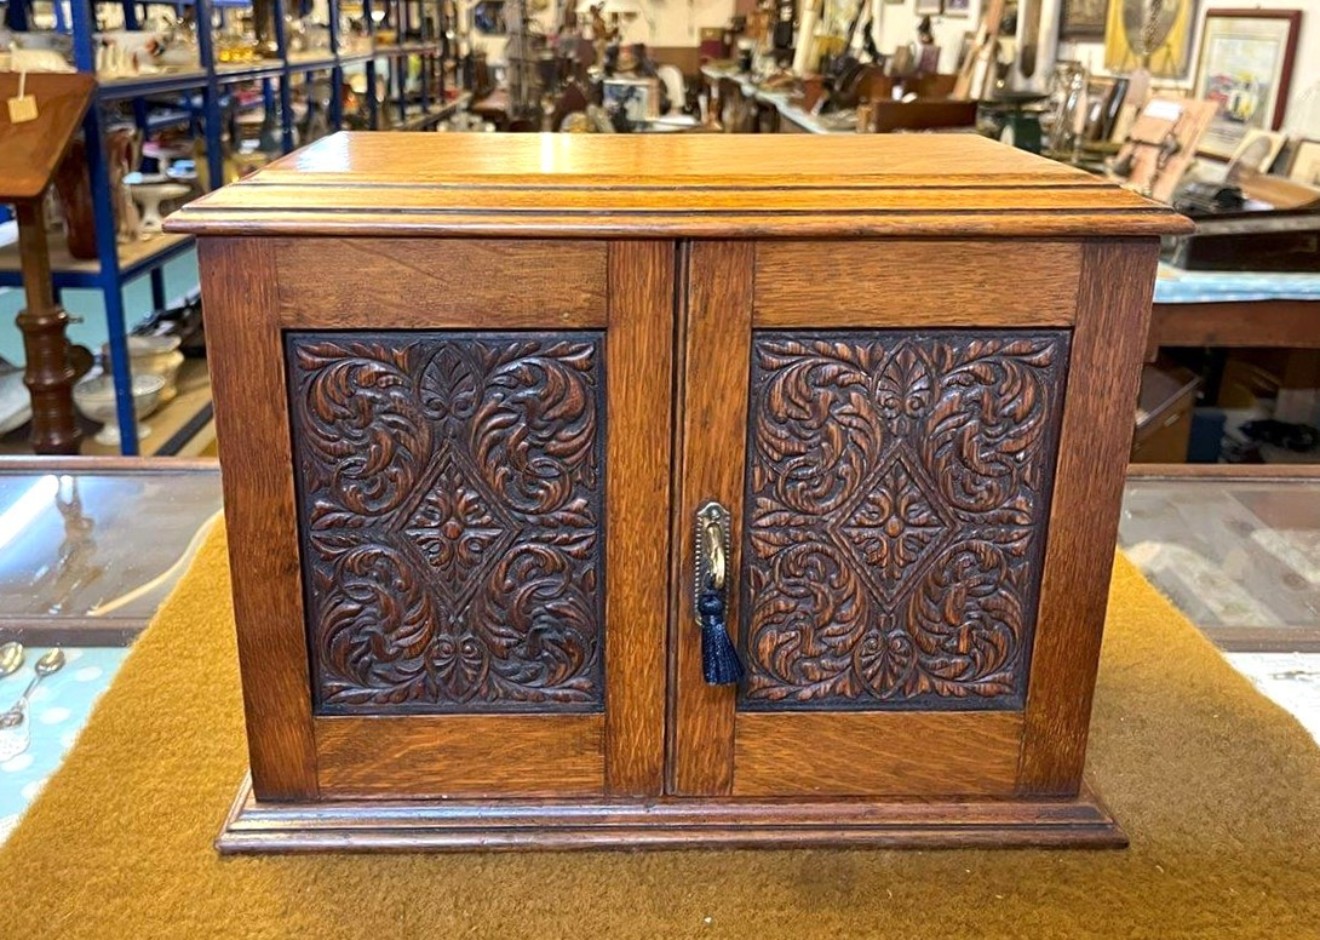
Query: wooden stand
x=29, y=153
x=49, y=374
x=564, y=426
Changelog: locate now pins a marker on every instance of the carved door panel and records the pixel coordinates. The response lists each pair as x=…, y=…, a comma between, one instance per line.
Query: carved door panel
x=481, y=515
x=451, y=491
x=889, y=490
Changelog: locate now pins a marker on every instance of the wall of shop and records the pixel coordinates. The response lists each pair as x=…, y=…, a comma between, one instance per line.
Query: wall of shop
x=897, y=25
x=678, y=23
x=1302, y=117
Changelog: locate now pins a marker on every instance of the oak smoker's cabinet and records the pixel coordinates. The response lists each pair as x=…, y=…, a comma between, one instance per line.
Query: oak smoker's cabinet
x=512, y=426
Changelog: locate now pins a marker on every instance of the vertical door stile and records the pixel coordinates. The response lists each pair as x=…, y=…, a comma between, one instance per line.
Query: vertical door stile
x=714, y=430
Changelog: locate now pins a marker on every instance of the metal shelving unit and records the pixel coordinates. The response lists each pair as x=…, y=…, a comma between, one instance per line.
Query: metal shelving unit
x=204, y=100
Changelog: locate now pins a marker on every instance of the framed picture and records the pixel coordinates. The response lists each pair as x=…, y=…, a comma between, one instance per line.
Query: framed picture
x=1256, y=154
x=1104, y=101
x=1245, y=66
x=1167, y=26
x=930, y=7
x=1305, y=166
x=957, y=7
x=1083, y=19
x=639, y=97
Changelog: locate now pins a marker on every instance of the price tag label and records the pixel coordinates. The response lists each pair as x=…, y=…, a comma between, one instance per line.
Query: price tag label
x=23, y=108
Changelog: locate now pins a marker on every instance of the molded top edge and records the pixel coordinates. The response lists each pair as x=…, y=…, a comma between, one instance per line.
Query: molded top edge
x=668, y=185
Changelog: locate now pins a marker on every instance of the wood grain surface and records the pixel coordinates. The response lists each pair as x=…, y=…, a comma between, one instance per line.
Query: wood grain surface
x=658, y=161
x=1113, y=309
x=711, y=459
x=668, y=186
x=252, y=425
x=639, y=351
x=910, y=284
x=447, y=825
x=1291, y=324
x=461, y=755
x=915, y=754
x=638, y=321
x=33, y=149
x=427, y=283
x=49, y=371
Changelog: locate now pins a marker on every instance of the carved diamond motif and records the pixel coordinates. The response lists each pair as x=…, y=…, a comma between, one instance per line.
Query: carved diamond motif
x=459, y=528
x=898, y=488
x=896, y=525
x=451, y=492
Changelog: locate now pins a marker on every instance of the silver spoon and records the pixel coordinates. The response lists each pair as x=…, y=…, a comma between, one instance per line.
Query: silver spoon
x=50, y=663
x=12, y=655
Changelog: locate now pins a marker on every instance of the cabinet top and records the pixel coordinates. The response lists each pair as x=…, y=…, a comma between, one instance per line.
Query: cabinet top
x=670, y=185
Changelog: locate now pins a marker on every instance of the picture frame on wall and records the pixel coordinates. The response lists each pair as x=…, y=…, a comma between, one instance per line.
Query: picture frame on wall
x=1167, y=27
x=1245, y=64
x=1256, y=154
x=1305, y=166
x=640, y=97
x=957, y=7
x=1083, y=19
x=930, y=7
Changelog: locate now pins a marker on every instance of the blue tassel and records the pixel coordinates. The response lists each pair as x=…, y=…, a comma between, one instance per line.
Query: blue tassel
x=719, y=660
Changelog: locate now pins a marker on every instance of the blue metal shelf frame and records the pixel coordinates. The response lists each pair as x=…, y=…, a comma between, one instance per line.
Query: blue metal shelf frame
x=204, y=103
x=204, y=114
x=398, y=14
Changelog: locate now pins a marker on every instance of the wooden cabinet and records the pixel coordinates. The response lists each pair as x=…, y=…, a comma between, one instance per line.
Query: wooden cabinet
x=515, y=429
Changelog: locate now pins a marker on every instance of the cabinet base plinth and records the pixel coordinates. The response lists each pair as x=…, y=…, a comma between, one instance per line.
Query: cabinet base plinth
x=453, y=825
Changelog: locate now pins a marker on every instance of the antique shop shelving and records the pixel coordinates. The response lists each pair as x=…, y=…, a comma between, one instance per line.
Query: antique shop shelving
x=202, y=99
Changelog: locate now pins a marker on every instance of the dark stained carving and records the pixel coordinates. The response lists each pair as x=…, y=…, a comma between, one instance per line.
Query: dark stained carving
x=451, y=489
x=898, y=487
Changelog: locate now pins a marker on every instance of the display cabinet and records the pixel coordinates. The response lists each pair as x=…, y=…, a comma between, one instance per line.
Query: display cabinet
x=687, y=490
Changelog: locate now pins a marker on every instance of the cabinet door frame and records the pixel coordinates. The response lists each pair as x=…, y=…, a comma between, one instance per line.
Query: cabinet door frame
x=258, y=288
x=1099, y=290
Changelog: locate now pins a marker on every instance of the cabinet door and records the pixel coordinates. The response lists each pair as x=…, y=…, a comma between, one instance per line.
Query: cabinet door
x=887, y=461
x=447, y=500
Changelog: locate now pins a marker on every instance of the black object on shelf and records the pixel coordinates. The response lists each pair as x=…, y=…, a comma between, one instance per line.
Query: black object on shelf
x=1298, y=438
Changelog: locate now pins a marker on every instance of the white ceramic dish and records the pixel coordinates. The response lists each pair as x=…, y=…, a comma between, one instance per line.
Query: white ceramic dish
x=154, y=355
x=95, y=398
x=150, y=196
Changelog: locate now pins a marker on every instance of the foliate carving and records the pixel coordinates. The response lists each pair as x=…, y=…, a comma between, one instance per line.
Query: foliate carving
x=451, y=497
x=898, y=488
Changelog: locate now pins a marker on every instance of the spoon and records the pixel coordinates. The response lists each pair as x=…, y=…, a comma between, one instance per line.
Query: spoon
x=11, y=658
x=50, y=663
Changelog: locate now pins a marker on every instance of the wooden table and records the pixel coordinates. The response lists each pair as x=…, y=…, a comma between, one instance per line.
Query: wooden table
x=31, y=147
x=1234, y=308
x=1277, y=324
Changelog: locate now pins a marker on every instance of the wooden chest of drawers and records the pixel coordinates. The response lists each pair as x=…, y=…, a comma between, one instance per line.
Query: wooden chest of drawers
x=518, y=431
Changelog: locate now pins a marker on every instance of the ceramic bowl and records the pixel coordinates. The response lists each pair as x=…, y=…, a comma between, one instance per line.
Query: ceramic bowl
x=150, y=196
x=95, y=398
x=154, y=355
